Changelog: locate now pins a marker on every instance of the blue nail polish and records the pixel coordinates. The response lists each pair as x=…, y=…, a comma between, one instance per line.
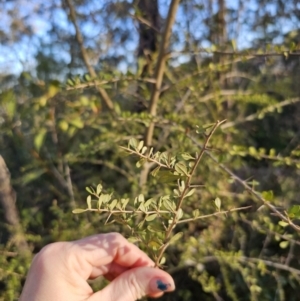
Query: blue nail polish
x=162, y=286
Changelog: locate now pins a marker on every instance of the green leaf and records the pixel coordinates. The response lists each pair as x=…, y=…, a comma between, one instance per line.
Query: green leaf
x=176, y=192
x=78, y=210
x=89, y=190
x=268, y=195
x=142, y=207
x=154, y=228
x=140, y=162
x=39, y=138
x=124, y=203
x=151, y=217
x=190, y=193
x=196, y=213
x=89, y=202
x=104, y=198
x=133, y=239
x=144, y=149
x=31, y=176
x=165, y=176
x=8, y=103
x=187, y=156
x=169, y=205
x=140, y=146
x=283, y=223
x=99, y=189
x=294, y=211
x=252, y=151
x=113, y=204
x=77, y=122
x=155, y=171
x=218, y=203
x=99, y=204
x=63, y=125
x=132, y=143
x=181, y=168
x=163, y=260
x=176, y=237
x=179, y=214
x=284, y=244
x=149, y=202
x=141, y=198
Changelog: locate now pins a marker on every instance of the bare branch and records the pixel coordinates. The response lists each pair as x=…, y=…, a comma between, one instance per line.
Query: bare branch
x=160, y=68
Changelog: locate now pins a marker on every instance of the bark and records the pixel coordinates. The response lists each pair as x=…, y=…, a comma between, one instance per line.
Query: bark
x=11, y=215
x=148, y=37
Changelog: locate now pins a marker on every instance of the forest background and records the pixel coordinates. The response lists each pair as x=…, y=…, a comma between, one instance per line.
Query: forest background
x=212, y=88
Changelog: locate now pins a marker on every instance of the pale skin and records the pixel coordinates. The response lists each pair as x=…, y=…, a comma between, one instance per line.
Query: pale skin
x=59, y=272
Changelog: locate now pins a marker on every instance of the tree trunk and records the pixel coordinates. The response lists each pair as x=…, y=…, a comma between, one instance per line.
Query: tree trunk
x=8, y=202
x=148, y=16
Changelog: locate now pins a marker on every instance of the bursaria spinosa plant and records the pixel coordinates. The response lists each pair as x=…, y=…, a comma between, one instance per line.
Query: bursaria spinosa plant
x=152, y=221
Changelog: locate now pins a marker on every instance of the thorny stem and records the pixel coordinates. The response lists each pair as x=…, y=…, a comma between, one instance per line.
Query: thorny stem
x=185, y=190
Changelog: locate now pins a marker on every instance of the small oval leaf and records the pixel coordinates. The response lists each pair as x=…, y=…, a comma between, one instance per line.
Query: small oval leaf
x=151, y=217
x=78, y=210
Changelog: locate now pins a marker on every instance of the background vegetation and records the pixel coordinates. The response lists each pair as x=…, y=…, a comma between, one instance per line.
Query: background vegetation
x=81, y=78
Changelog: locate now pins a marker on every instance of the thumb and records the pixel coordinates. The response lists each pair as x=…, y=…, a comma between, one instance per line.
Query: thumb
x=136, y=283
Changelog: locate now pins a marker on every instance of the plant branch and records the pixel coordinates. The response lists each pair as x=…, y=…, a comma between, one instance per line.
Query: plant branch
x=245, y=259
x=256, y=194
x=212, y=214
x=185, y=190
x=130, y=211
x=146, y=157
x=10, y=210
x=286, y=53
x=160, y=68
x=105, y=82
x=158, y=78
x=203, y=150
x=266, y=110
x=84, y=54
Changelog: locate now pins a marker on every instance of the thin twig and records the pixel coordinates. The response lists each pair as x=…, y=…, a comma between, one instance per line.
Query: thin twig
x=146, y=157
x=266, y=110
x=111, y=81
x=245, y=259
x=158, y=76
x=84, y=54
x=212, y=214
x=160, y=68
x=285, y=53
x=130, y=211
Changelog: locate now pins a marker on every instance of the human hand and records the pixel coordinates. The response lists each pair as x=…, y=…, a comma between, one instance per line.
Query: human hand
x=59, y=272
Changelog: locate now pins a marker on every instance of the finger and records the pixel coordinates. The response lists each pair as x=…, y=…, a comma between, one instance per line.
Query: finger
x=99, y=254
x=136, y=283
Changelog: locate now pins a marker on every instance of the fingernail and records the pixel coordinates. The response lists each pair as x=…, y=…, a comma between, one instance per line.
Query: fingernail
x=161, y=285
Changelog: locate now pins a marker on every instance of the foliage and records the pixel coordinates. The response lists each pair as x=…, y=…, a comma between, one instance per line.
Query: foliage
x=214, y=203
